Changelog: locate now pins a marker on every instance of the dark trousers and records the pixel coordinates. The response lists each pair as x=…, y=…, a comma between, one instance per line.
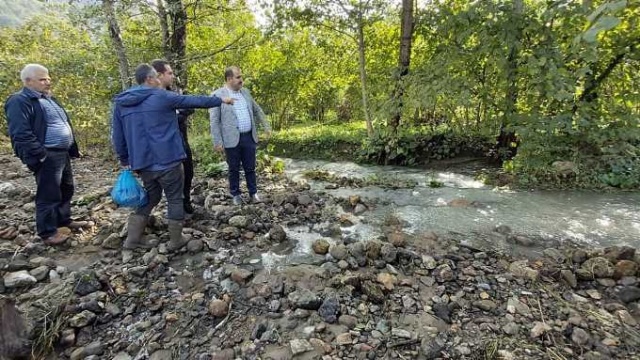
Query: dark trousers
x=188, y=171
x=171, y=181
x=244, y=153
x=54, y=181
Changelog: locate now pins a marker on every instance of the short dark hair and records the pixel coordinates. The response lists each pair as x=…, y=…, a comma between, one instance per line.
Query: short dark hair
x=160, y=65
x=228, y=72
x=143, y=71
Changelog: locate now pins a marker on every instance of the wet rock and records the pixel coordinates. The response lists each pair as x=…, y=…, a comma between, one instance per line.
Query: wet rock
x=615, y=253
x=277, y=233
x=597, y=267
x=87, y=283
x=555, y=255
x=360, y=209
x=320, y=246
x=388, y=253
x=579, y=256
x=329, y=310
x=625, y=268
x=397, y=239
x=305, y=299
x=373, y=249
x=338, y=251
x=18, y=279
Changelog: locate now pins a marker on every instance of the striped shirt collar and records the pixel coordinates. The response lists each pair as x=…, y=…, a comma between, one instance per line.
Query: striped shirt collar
x=35, y=94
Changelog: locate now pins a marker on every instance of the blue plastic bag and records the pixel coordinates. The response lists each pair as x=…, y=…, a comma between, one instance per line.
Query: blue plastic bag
x=127, y=191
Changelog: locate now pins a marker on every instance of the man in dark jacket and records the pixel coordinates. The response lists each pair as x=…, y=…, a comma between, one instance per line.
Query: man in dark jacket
x=42, y=137
x=167, y=77
x=147, y=140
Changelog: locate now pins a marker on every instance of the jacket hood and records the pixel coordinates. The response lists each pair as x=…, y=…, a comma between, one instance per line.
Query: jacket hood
x=134, y=95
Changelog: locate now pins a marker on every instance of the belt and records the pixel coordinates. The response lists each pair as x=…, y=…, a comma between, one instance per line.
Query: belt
x=56, y=149
x=246, y=132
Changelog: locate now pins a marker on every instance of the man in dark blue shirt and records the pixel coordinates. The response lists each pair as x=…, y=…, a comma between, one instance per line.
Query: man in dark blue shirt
x=147, y=139
x=42, y=137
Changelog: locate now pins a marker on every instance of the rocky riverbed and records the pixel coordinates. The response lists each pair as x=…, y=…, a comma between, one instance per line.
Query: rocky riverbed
x=245, y=287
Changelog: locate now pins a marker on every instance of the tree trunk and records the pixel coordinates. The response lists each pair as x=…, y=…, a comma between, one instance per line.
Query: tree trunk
x=164, y=29
x=507, y=140
x=116, y=39
x=363, y=76
x=404, y=61
x=177, y=16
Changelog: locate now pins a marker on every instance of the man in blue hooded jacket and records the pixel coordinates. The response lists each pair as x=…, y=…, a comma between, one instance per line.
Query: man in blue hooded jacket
x=147, y=140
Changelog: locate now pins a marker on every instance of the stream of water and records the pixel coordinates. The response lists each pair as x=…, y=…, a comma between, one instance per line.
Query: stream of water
x=598, y=219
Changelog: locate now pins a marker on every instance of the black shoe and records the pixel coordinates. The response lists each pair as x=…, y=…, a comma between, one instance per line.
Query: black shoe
x=188, y=208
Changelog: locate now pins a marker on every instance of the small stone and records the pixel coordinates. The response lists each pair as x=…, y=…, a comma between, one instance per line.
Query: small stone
x=40, y=273
x=82, y=319
x=320, y=246
x=338, y=251
x=218, y=308
x=397, y=239
x=239, y=221
x=401, y=333
x=598, y=267
x=329, y=310
x=344, y=339
x=626, y=317
x=629, y=293
x=486, y=305
x=511, y=328
x=387, y=280
x=569, y=278
x=299, y=346
x=580, y=337
x=443, y=273
x=429, y=262
x=594, y=294
x=19, y=279
x=539, y=329
x=522, y=270
x=241, y=276
x=195, y=246
x=348, y=321
x=625, y=268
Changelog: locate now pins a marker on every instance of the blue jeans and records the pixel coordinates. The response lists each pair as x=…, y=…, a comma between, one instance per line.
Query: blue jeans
x=244, y=153
x=171, y=181
x=54, y=181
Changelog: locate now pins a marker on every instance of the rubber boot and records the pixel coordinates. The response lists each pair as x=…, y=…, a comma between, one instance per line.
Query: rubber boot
x=176, y=241
x=135, y=231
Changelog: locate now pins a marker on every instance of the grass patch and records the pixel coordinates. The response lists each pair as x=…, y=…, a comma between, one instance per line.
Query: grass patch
x=338, y=142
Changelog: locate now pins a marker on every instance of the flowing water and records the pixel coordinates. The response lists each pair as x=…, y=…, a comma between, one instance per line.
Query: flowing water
x=599, y=219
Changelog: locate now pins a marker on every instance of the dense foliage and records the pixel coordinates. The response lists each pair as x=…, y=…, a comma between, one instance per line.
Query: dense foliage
x=561, y=77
